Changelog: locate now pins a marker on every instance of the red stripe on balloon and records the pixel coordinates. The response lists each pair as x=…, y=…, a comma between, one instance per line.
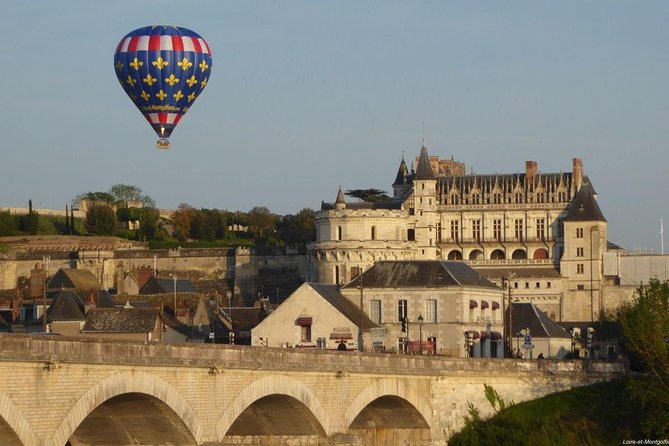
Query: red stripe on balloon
x=162, y=118
x=154, y=43
x=177, y=118
x=177, y=43
x=133, y=44
x=196, y=45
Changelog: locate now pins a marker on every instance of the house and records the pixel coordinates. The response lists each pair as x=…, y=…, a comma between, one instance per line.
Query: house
x=134, y=280
x=432, y=306
x=157, y=285
x=74, y=279
x=66, y=314
x=133, y=324
x=243, y=320
x=534, y=333
x=314, y=316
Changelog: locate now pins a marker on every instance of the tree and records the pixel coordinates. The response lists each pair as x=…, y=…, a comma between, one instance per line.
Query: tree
x=124, y=193
x=148, y=224
x=297, y=230
x=182, y=220
x=645, y=325
x=368, y=195
x=30, y=222
x=100, y=219
x=261, y=222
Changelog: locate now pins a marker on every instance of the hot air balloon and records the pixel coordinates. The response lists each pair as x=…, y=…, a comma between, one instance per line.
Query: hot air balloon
x=163, y=69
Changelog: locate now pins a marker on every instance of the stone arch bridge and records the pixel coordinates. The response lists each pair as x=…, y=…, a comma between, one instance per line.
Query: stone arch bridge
x=72, y=391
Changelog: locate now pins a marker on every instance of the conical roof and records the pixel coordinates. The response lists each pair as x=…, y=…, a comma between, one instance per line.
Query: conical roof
x=402, y=172
x=340, y=197
x=584, y=207
x=424, y=170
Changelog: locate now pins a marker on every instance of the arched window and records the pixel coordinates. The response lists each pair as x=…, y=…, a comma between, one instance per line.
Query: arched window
x=497, y=254
x=411, y=235
x=373, y=232
x=339, y=232
x=455, y=255
x=519, y=254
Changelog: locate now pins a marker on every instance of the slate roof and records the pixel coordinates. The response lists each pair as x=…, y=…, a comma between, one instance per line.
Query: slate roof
x=331, y=294
x=157, y=285
x=120, y=320
x=384, y=204
x=519, y=273
x=424, y=169
x=340, y=197
x=527, y=315
x=420, y=274
x=246, y=318
x=402, y=173
x=66, y=306
x=79, y=279
x=584, y=206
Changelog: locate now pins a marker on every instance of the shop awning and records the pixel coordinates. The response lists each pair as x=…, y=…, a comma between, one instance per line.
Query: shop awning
x=494, y=335
x=303, y=321
x=471, y=334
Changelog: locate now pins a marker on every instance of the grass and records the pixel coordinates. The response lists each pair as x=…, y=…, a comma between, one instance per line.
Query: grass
x=601, y=414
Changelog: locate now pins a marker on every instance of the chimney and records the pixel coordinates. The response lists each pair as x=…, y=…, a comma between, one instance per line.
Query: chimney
x=577, y=173
x=530, y=171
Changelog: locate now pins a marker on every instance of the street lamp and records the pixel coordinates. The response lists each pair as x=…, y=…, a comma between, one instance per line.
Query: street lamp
x=420, y=333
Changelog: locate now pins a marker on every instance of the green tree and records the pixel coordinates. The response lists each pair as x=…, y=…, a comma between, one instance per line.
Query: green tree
x=30, y=222
x=261, y=222
x=148, y=224
x=182, y=220
x=645, y=325
x=9, y=224
x=297, y=230
x=124, y=193
x=369, y=195
x=100, y=219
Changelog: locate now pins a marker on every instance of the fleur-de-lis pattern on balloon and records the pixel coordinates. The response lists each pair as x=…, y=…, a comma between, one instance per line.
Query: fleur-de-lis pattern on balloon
x=160, y=63
x=163, y=69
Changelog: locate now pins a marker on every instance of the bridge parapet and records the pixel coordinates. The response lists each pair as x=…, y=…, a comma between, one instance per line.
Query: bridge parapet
x=103, y=351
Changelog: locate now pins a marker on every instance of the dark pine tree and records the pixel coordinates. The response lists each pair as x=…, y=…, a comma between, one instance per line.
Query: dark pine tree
x=67, y=220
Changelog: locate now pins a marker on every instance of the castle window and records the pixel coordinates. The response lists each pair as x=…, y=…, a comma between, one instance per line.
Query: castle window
x=579, y=268
x=455, y=230
x=540, y=197
x=439, y=232
x=579, y=252
x=339, y=232
x=455, y=199
x=548, y=284
x=518, y=225
x=579, y=232
x=541, y=229
x=580, y=287
x=476, y=198
x=373, y=233
x=496, y=198
x=562, y=197
x=497, y=229
x=476, y=230
x=431, y=310
x=411, y=235
x=518, y=198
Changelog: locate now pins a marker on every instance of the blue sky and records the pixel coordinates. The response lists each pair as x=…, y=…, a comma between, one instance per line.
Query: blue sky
x=307, y=95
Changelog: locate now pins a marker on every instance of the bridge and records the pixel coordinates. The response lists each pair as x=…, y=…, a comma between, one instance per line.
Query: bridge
x=57, y=391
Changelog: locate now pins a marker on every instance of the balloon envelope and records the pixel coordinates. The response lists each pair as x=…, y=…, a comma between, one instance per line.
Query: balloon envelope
x=163, y=69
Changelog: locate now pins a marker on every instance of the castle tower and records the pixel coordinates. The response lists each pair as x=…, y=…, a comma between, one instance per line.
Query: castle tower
x=424, y=207
x=584, y=246
x=401, y=185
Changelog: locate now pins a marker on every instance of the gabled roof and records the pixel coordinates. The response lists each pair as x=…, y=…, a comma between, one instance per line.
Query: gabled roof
x=584, y=206
x=424, y=170
x=120, y=320
x=78, y=279
x=527, y=315
x=420, y=273
x=157, y=285
x=66, y=306
x=331, y=294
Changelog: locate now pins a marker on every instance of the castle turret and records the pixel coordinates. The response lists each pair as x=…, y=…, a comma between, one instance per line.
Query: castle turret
x=425, y=206
x=340, y=202
x=401, y=186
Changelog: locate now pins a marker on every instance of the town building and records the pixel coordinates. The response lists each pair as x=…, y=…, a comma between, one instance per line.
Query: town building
x=315, y=316
x=431, y=306
x=541, y=236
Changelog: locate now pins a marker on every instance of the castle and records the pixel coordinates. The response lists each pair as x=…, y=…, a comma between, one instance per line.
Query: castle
x=541, y=236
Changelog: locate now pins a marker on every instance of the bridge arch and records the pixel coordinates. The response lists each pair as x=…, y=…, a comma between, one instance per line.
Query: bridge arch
x=384, y=388
x=122, y=383
x=267, y=386
x=15, y=419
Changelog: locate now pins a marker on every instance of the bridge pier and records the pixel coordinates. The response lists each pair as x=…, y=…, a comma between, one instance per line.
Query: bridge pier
x=57, y=390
